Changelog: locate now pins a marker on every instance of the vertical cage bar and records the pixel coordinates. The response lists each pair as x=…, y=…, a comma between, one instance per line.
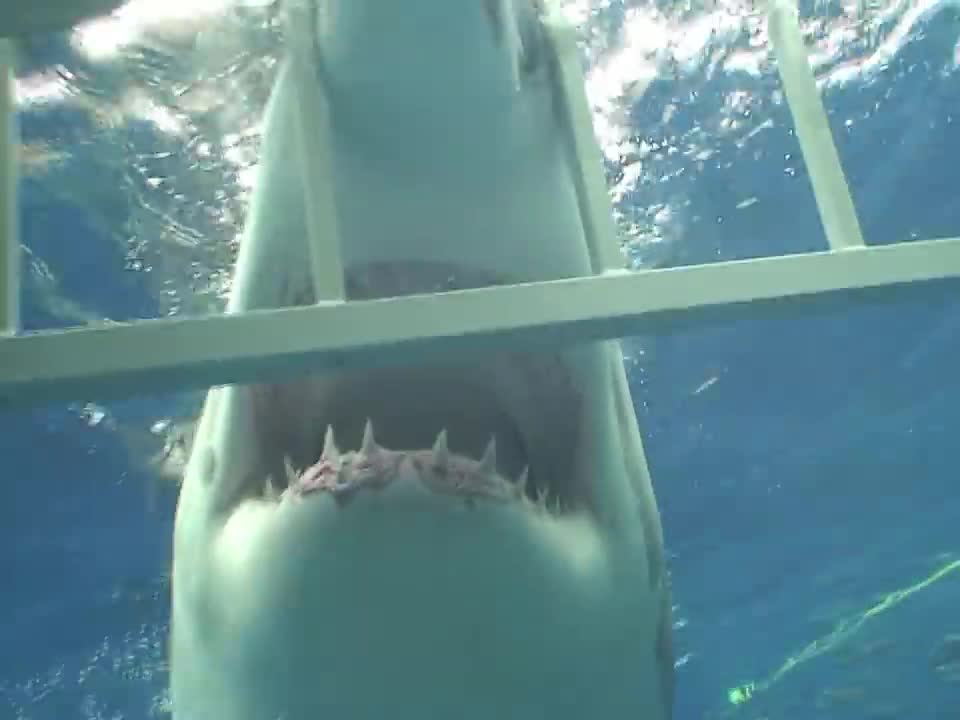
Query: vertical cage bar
x=9, y=239
x=596, y=209
x=830, y=190
x=316, y=162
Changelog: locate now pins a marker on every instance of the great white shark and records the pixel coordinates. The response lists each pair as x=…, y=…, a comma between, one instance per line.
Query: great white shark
x=472, y=540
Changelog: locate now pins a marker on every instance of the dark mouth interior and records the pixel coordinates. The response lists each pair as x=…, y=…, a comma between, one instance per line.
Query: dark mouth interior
x=526, y=402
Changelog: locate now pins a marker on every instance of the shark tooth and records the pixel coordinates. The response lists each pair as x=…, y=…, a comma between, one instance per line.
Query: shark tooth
x=441, y=453
x=488, y=463
x=542, y=499
x=292, y=475
x=270, y=489
x=522, y=479
x=330, y=450
x=368, y=445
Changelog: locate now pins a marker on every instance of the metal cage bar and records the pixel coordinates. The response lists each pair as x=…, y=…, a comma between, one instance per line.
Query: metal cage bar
x=9, y=236
x=837, y=212
x=150, y=356
x=170, y=354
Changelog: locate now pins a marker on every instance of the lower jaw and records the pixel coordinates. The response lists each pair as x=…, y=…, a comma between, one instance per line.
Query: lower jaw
x=405, y=546
x=410, y=516
x=408, y=599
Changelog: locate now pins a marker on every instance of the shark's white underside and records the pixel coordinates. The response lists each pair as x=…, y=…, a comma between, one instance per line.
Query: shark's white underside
x=406, y=589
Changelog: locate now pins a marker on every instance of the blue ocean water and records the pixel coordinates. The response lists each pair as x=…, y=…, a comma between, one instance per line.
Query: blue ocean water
x=805, y=466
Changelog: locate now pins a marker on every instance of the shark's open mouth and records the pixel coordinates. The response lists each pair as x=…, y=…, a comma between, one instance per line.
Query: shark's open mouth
x=505, y=428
